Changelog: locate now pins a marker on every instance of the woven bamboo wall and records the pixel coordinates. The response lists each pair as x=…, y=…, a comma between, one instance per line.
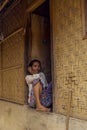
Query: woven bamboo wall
x=12, y=84
x=13, y=49
x=70, y=58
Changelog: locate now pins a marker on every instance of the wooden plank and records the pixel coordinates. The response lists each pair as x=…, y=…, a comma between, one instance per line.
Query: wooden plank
x=83, y=19
x=11, y=68
x=52, y=36
x=15, y=3
x=68, y=109
x=17, y=31
x=0, y=72
x=3, y=5
x=34, y=5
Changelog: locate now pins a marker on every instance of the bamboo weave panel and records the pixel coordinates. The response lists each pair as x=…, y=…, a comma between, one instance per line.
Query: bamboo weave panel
x=70, y=59
x=13, y=85
x=13, y=51
x=12, y=71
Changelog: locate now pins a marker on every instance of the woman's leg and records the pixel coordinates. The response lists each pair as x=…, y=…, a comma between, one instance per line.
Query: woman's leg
x=37, y=92
x=46, y=96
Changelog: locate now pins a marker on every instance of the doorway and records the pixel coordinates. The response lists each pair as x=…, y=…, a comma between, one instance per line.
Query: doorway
x=38, y=39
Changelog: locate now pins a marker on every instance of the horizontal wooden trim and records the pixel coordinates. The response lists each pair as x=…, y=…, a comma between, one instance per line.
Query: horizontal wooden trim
x=12, y=34
x=11, y=101
x=11, y=68
x=34, y=5
x=15, y=3
x=3, y=5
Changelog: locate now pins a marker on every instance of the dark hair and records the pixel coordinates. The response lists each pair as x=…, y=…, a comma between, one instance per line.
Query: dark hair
x=32, y=62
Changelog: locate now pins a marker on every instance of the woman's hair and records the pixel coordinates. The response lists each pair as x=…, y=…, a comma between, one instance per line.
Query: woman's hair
x=32, y=62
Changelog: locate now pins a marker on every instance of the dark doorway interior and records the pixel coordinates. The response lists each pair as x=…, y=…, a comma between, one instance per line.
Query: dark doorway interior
x=39, y=37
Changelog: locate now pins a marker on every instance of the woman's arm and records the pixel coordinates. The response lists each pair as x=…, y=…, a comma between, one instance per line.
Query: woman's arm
x=43, y=79
x=30, y=78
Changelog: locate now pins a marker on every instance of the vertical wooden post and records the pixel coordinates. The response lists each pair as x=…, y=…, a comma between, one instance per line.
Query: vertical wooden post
x=68, y=109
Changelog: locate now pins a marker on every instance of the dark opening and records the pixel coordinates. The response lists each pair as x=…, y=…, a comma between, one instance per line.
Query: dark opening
x=38, y=43
x=38, y=38
x=43, y=10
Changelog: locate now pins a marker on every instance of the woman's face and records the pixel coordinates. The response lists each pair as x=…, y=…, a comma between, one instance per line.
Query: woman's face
x=35, y=67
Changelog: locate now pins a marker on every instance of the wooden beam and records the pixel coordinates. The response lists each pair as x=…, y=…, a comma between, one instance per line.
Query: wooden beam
x=83, y=13
x=3, y=5
x=12, y=34
x=34, y=5
x=53, y=40
x=11, y=68
x=12, y=6
x=68, y=109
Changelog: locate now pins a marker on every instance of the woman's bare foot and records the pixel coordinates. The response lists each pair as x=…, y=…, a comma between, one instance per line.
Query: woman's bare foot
x=42, y=108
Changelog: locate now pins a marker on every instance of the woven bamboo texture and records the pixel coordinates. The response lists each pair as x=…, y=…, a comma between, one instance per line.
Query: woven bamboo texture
x=12, y=70
x=70, y=59
x=12, y=54
x=12, y=50
x=13, y=85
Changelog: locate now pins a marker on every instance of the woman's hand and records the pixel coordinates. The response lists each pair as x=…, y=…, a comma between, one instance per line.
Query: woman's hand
x=30, y=70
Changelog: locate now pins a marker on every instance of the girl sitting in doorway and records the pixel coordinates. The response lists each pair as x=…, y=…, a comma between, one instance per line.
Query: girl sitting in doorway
x=40, y=92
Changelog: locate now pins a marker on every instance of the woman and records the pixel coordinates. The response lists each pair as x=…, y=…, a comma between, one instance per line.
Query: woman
x=40, y=93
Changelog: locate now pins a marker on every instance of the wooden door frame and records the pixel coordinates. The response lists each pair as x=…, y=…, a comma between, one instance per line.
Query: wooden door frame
x=29, y=10
x=34, y=5
x=52, y=34
x=83, y=19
